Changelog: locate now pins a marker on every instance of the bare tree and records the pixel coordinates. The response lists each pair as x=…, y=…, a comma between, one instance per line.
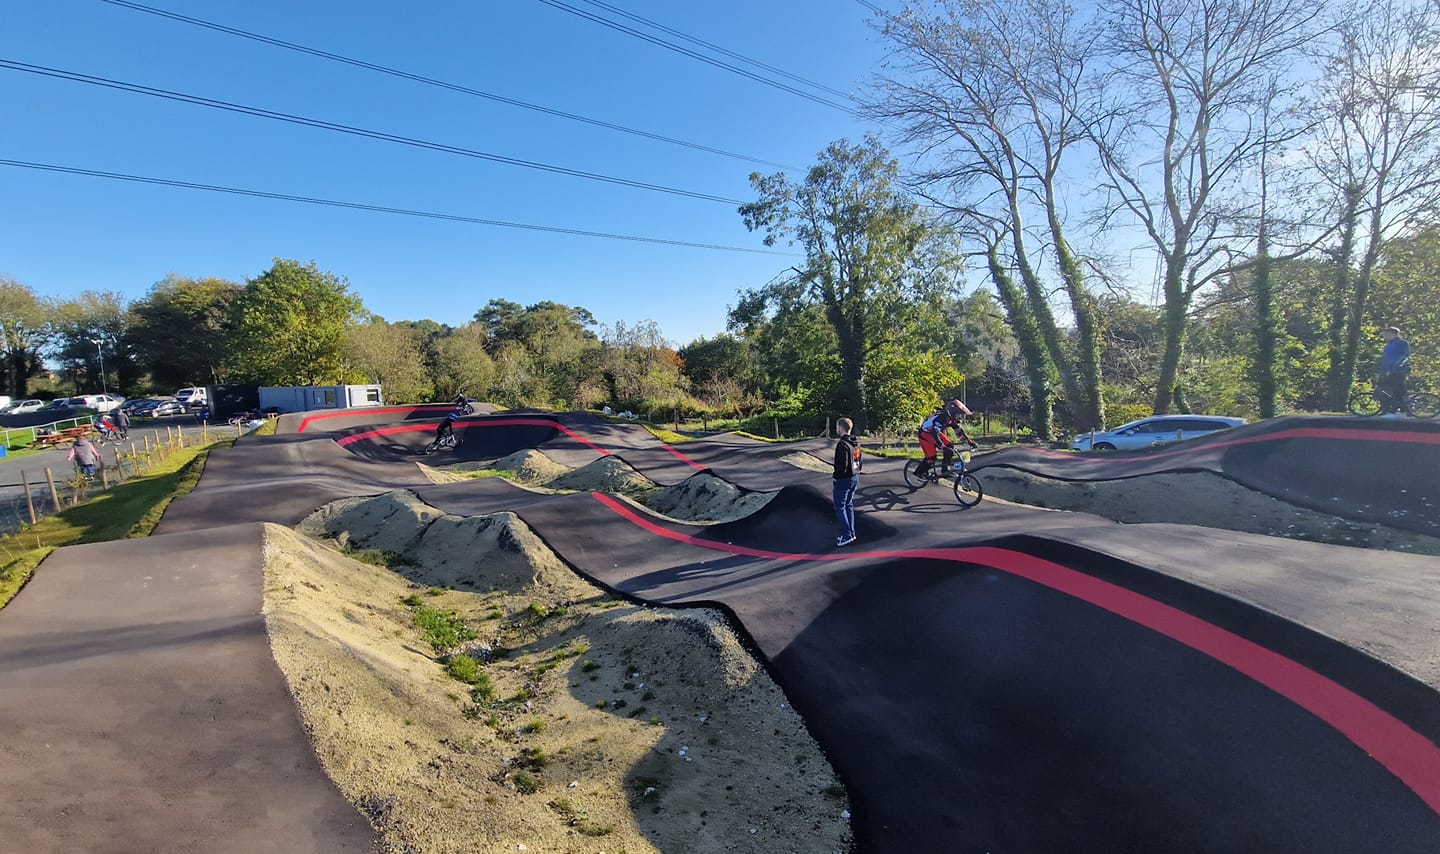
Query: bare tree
x=1187, y=80
x=1378, y=152
x=990, y=96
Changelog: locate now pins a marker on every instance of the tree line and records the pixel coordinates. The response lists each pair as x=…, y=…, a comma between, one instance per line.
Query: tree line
x=1274, y=160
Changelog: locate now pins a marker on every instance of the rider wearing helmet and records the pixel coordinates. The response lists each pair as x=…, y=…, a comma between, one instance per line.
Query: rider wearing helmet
x=461, y=409
x=932, y=435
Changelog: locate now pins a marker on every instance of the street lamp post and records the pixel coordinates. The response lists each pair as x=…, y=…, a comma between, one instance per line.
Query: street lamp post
x=104, y=389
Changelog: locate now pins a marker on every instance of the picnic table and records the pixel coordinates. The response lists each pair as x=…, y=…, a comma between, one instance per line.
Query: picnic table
x=62, y=437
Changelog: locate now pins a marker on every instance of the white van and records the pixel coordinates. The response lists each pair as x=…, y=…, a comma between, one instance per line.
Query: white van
x=193, y=398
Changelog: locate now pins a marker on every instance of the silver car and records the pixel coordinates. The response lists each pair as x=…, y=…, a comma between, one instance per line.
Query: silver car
x=1155, y=430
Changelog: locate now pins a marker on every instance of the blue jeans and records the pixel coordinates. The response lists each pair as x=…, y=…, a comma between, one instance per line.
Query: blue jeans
x=845, y=504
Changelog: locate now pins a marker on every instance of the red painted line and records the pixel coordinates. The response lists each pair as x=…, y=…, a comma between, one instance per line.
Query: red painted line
x=1347, y=433
x=470, y=425
x=684, y=458
x=1407, y=754
x=386, y=410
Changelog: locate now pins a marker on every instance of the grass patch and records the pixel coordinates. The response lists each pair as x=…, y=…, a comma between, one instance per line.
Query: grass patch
x=508, y=475
x=464, y=668
x=443, y=630
x=669, y=437
x=526, y=783
x=128, y=510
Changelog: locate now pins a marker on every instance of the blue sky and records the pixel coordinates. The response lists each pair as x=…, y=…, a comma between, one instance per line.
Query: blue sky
x=62, y=234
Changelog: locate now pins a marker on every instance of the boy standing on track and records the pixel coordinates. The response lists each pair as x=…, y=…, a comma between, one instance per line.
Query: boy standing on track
x=847, y=478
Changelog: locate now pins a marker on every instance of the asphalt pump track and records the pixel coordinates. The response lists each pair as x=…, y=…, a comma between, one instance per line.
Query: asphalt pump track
x=996, y=679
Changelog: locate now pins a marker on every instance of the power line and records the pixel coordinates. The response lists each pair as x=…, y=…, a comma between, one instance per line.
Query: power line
x=715, y=47
x=287, y=197
x=565, y=7
x=431, y=81
x=354, y=131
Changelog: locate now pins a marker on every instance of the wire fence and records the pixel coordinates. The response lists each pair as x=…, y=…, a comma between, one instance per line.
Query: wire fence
x=44, y=490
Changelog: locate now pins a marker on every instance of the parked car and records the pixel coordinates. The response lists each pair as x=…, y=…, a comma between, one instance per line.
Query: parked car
x=193, y=398
x=22, y=405
x=98, y=402
x=142, y=407
x=19, y=407
x=134, y=403
x=1155, y=430
x=166, y=407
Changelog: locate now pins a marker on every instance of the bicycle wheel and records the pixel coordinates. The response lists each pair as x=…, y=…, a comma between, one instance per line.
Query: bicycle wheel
x=912, y=474
x=1423, y=404
x=432, y=447
x=1363, y=402
x=968, y=490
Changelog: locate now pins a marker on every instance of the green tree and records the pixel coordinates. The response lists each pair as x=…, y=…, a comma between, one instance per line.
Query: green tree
x=93, y=316
x=288, y=325
x=179, y=331
x=24, y=333
x=384, y=353
x=865, y=252
x=462, y=366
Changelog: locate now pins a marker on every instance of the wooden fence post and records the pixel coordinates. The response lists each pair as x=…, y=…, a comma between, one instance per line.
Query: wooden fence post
x=54, y=496
x=29, y=502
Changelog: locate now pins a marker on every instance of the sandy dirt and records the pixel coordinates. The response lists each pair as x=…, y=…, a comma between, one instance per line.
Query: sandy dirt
x=1198, y=498
x=607, y=727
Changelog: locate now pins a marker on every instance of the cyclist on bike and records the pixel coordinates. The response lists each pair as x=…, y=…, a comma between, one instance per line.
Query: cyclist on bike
x=446, y=428
x=106, y=429
x=1394, y=371
x=932, y=435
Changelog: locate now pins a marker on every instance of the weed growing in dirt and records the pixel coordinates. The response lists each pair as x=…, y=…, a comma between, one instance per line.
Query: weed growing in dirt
x=443, y=630
x=464, y=668
x=484, y=691
x=526, y=784
x=374, y=557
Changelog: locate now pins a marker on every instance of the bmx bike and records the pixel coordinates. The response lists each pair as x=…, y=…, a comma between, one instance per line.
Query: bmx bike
x=1370, y=400
x=449, y=441
x=966, y=486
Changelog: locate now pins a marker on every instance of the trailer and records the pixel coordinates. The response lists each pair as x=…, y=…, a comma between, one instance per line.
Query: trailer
x=284, y=399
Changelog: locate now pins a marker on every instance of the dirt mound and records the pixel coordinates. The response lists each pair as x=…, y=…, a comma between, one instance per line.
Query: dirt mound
x=607, y=474
x=392, y=522
x=809, y=462
x=592, y=725
x=706, y=498
x=530, y=466
x=496, y=552
x=1198, y=498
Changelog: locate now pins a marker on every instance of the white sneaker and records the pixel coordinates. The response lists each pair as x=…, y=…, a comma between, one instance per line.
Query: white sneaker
x=845, y=541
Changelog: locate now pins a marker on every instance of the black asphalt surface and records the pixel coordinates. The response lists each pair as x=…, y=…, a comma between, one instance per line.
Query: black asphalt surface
x=143, y=712
x=1371, y=469
x=999, y=679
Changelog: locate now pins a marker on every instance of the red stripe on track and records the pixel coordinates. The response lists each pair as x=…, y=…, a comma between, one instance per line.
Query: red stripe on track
x=1407, y=754
x=1346, y=433
x=387, y=410
x=471, y=425
x=684, y=458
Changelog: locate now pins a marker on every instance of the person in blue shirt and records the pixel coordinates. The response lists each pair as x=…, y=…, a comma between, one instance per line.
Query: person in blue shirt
x=447, y=426
x=1394, y=371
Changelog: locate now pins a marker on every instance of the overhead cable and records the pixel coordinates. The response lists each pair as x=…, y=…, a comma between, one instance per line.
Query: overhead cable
x=354, y=131
x=606, y=22
x=715, y=47
x=287, y=197
x=431, y=81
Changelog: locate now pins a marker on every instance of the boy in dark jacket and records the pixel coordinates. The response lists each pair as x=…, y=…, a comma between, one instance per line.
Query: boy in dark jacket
x=846, y=477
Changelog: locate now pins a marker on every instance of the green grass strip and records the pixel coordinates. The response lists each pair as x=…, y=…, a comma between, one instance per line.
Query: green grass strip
x=127, y=510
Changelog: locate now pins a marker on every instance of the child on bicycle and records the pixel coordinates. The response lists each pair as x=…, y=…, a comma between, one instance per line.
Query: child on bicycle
x=932, y=435
x=446, y=428
x=106, y=429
